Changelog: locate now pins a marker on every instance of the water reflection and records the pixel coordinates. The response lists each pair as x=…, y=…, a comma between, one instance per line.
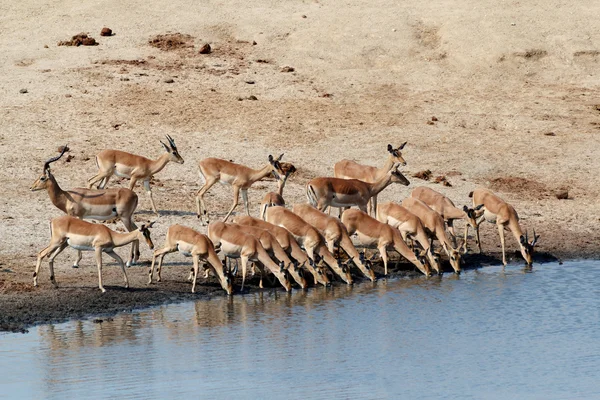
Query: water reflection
x=439, y=337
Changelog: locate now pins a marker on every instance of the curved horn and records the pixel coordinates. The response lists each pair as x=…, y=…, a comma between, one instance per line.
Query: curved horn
x=51, y=160
x=171, y=141
x=152, y=223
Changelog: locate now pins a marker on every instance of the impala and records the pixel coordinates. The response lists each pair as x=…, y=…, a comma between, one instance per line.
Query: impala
x=347, y=169
x=81, y=235
x=236, y=244
x=85, y=203
x=289, y=244
x=496, y=210
x=449, y=212
x=384, y=237
x=287, y=169
x=192, y=244
x=134, y=167
x=337, y=192
x=271, y=199
x=434, y=226
x=308, y=237
x=335, y=234
x=272, y=246
x=410, y=227
x=238, y=176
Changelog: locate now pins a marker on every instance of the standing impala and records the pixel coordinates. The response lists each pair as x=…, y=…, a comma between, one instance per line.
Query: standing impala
x=191, y=243
x=370, y=231
x=410, y=227
x=308, y=237
x=272, y=246
x=289, y=244
x=81, y=235
x=335, y=234
x=336, y=192
x=134, y=167
x=236, y=244
x=434, y=225
x=496, y=210
x=347, y=169
x=449, y=212
x=85, y=203
x=240, y=177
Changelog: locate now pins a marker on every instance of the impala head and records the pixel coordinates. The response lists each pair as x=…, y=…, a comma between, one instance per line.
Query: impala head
x=144, y=230
x=396, y=153
x=319, y=274
x=397, y=176
x=287, y=170
x=42, y=182
x=433, y=259
x=472, y=214
x=282, y=275
x=455, y=259
x=367, y=264
x=422, y=264
x=296, y=271
x=346, y=276
x=527, y=246
x=172, y=150
x=276, y=167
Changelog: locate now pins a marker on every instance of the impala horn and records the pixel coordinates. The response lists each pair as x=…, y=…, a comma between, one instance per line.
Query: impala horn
x=51, y=160
x=171, y=142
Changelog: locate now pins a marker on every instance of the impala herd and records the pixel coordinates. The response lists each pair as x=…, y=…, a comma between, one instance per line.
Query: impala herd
x=285, y=242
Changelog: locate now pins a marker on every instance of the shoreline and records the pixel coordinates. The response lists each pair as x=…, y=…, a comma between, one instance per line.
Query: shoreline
x=22, y=306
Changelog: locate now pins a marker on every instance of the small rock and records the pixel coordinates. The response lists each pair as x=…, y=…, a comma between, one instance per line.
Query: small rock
x=23, y=91
x=254, y=43
x=106, y=32
x=61, y=148
x=252, y=97
x=303, y=16
x=430, y=123
x=287, y=69
x=250, y=82
x=425, y=175
x=562, y=194
x=434, y=118
x=45, y=46
x=169, y=80
x=89, y=41
x=327, y=95
x=125, y=79
x=68, y=95
x=550, y=134
x=205, y=49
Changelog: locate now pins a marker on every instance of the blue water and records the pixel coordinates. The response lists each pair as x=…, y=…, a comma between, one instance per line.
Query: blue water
x=488, y=334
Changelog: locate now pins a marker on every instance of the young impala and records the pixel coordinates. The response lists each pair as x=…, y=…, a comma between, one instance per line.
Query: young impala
x=236, y=244
x=336, y=192
x=308, y=237
x=347, y=169
x=496, y=210
x=449, y=212
x=272, y=246
x=240, y=177
x=410, y=227
x=134, y=167
x=434, y=226
x=370, y=231
x=85, y=203
x=335, y=234
x=191, y=243
x=81, y=235
x=289, y=244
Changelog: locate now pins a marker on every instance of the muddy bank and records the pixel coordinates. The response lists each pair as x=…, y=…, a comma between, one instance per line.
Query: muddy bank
x=22, y=305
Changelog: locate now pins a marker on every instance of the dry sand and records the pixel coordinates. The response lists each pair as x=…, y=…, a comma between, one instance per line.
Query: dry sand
x=501, y=94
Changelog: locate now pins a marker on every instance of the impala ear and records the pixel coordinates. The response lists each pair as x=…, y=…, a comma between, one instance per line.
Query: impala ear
x=466, y=209
x=402, y=146
x=390, y=148
x=479, y=207
x=280, y=157
x=270, y=158
x=522, y=240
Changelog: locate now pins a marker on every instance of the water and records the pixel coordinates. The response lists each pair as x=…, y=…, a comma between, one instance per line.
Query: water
x=488, y=334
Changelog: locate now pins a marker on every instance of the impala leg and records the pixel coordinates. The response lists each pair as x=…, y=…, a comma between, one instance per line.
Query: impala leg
x=477, y=234
x=158, y=253
x=465, y=238
x=121, y=264
x=244, y=266
x=501, y=232
x=98, y=254
x=104, y=181
x=374, y=205
x=161, y=257
x=41, y=255
x=195, y=259
x=79, y=257
x=134, y=255
x=149, y=192
x=384, y=257
x=245, y=198
x=452, y=232
x=51, y=262
x=236, y=195
x=98, y=177
x=200, y=205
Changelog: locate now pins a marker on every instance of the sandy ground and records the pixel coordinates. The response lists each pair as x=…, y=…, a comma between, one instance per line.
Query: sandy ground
x=501, y=94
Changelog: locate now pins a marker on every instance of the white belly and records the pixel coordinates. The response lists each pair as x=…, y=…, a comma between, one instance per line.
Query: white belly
x=185, y=248
x=490, y=217
x=123, y=171
x=80, y=247
x=367, y=240
x=231, y=249
x=106, y=217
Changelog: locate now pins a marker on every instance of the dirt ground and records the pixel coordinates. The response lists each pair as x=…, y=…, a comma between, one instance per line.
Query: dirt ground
x=503, y=95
